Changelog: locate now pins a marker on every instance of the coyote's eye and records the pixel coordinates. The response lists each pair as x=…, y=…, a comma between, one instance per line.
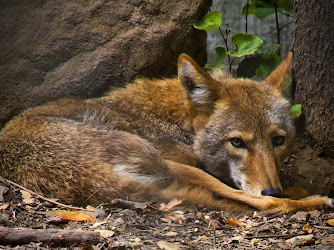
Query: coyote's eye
x=278, y=141
x=237, y=143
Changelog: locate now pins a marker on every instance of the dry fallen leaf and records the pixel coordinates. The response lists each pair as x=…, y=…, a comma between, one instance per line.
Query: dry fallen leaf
x=300, y=240
x=234, y=222
x=330, y=222
x=4, y=206
x=105, y=233
x=73, y=215
x=27, y=198
x=97, y=224
x=299, y=216
x=90, y=208
x=307, y=228
x=171, y=234
x=168, y=246
x=175, y=216
x=170, y=205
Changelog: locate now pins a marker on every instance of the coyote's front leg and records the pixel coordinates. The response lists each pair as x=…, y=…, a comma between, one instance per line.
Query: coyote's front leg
x=194, y=186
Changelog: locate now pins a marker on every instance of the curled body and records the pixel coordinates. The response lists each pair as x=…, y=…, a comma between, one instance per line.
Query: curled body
x=205, y=139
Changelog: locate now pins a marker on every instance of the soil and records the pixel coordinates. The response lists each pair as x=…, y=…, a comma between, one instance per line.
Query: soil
x=130, y=225
x=308, y=169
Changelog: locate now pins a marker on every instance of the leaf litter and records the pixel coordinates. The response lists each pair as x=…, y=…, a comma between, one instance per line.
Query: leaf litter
x=132, y=225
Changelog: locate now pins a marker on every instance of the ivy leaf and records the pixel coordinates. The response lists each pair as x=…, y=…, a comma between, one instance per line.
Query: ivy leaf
x=269, y=63
x=264, y=8
x=244, y=44
x=261, y=73
x=251, y=9
x=210, y=21
x=296, y=110
x=269, y=49
x=218, y=63
x=247, y=68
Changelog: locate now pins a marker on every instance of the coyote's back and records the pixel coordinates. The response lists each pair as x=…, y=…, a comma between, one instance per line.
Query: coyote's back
x=153, y=139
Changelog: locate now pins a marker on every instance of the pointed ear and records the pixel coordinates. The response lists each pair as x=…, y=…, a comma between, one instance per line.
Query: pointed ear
x=201, y=90
x=279, y=77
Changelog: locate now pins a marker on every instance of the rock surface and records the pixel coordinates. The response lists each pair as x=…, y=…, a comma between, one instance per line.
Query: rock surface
x=53, y=49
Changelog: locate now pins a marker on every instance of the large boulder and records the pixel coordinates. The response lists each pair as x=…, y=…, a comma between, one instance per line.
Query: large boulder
x=53, y=49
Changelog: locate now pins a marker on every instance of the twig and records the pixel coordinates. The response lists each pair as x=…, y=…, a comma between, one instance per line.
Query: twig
x=247, y=16
x=285, y=25
x=246, y=31
x=277, y=24
x=225, y=41
x=46, y=199
x=284, y=236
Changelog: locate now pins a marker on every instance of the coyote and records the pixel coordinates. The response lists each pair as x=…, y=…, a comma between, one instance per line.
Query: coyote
x=205, y=139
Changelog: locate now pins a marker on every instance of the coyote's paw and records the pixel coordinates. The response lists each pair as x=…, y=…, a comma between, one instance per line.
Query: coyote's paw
x=283, y=206
x=328, y=202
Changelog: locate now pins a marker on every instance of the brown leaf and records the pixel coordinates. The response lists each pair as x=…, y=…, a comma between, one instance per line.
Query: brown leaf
x=330, y=222
x=73, y=215
x=168, y=246
x=307, y=228
x=300, y=240
x=170, y=205
x=176, y=216
x=4, y=206
x=234, y=222
x=171, y=234
x=105, y=233
x=27, y=197
x=90, y=208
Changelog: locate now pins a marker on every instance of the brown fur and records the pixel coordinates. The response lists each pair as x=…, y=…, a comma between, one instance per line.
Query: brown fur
x=149, y=140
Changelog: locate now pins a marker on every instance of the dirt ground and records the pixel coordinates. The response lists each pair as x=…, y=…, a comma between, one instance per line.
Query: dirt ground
x=31, y=222
x=308, y=169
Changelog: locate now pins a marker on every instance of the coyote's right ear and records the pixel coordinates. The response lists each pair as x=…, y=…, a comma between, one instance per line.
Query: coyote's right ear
x=279, y=77
x=201, y=90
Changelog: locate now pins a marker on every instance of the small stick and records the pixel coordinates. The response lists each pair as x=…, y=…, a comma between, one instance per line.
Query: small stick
x=284, y=236
x=46, y=199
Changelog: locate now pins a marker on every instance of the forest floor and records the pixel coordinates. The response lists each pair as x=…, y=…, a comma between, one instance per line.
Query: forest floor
x=29, y=221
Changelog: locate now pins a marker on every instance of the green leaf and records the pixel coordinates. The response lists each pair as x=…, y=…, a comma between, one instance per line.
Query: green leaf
x=262, y=13
x=269, y=49
x=244, y=44
x=284, y=5
x=260, y=73
x=247, y=68
x=269, y=63
x=296, y=110
x=210, y=21
x=218, y=63
x=251, y=9
x=258, y=65
x=264, y=8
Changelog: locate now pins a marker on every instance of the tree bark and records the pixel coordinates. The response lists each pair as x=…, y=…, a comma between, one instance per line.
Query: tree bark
x=313, y=68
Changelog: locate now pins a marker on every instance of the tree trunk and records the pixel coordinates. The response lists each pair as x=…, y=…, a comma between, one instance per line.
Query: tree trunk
x=313, y=67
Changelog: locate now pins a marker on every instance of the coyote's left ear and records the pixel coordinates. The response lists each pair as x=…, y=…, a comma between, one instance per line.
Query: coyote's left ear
x=279, y=77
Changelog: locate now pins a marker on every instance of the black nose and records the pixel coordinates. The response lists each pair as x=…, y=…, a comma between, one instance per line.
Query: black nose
x=275, y=192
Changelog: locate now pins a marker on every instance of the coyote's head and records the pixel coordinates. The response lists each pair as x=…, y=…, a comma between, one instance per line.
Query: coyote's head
x=242, y=127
